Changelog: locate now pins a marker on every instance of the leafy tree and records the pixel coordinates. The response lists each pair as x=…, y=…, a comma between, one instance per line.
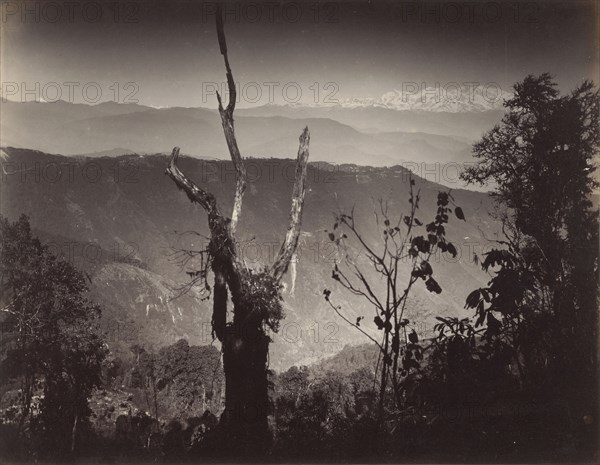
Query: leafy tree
x=540, y=306
x=52, y=334
x=192, y=375
x=544, y=290
x=179, y=381
x=314, y=414
x=143, y=376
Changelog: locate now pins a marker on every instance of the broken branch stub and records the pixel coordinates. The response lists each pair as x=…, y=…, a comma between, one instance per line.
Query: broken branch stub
x=290, y=243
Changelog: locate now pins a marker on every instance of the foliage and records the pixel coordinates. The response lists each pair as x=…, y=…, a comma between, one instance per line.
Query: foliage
x=193, y=375
x=400, y=351
x=179, y=380
x=324, y=415
x=542, y=297
x=261, y=292
x=53, y=339
x=534, y=331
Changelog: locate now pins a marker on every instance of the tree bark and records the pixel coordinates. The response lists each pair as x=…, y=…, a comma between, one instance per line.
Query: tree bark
x=245, y=353
x=245, y=343
x=74, y=432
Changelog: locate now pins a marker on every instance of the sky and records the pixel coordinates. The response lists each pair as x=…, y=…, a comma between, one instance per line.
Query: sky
x=165, y=53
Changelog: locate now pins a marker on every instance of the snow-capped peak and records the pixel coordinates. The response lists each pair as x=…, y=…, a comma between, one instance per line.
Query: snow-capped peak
x=451, y=98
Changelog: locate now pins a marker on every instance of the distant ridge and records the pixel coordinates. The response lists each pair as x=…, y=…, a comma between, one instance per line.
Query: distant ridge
x=444, y=99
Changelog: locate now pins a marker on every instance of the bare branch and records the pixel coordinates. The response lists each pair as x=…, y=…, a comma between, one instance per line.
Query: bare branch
x=194, y=193
x=225, y=246
x=347, y=284
x=293, y=233
x=228, y=127
x=223, y=48
x=337, y=310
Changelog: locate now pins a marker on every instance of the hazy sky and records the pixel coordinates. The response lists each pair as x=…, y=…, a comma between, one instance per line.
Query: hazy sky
x=168, y=53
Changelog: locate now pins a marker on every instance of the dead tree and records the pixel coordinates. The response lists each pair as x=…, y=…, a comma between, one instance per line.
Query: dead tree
x=255, y=295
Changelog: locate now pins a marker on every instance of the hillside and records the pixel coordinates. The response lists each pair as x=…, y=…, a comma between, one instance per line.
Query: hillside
x=120, y=220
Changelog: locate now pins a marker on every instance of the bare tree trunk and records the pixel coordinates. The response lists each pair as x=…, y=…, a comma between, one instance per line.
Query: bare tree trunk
x=155, y=405
x=245, y=352
x=245, y=344
x=383, y=385
x=74, y=432
x=27, y=388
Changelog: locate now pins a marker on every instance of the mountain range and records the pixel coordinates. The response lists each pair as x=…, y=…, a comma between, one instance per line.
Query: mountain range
x=122, y=221
x=90, y=177
x=364, y=135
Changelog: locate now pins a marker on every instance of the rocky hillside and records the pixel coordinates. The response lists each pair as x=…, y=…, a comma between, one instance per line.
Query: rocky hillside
x=122, y=221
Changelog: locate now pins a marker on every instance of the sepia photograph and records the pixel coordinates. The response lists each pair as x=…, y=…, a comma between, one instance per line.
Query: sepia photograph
x=347, y=231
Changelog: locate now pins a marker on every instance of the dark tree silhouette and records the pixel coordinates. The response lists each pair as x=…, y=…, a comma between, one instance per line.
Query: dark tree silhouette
x=542, y=299
x=256, y=295
x=51, y=341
